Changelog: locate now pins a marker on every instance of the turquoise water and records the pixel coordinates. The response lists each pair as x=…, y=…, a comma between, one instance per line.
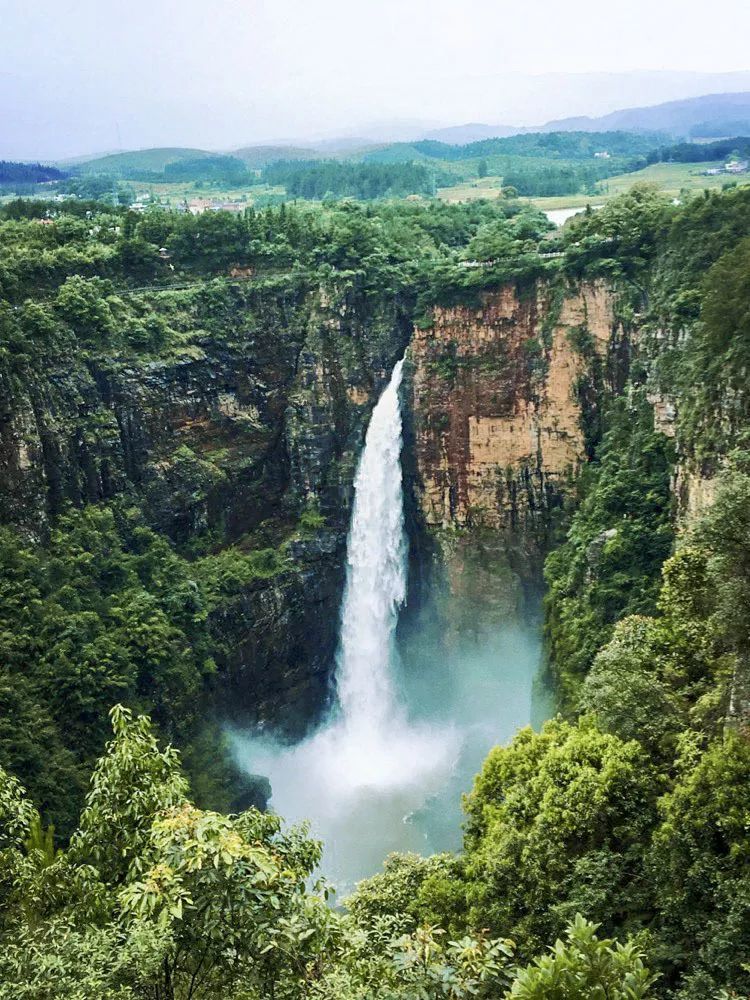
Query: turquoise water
x=415, y=718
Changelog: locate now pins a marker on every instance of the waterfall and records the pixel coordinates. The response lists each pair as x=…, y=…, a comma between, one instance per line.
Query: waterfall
x=363, y=775
x=376, y=572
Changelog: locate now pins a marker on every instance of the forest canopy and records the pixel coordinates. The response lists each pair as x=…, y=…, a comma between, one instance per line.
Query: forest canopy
x=607, y=854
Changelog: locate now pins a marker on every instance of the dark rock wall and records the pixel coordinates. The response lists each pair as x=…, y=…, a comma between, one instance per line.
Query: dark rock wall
x=224, y=441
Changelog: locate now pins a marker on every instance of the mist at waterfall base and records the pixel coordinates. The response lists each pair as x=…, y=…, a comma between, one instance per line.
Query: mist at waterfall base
x=387, y=770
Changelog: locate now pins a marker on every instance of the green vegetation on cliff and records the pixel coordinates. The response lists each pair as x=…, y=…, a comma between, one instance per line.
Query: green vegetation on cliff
x=177, y=445
x=608, y=566
x=177, y=449
x=107, y=611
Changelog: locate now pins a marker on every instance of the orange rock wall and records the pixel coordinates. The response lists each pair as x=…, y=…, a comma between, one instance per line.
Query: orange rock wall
x=496, y=410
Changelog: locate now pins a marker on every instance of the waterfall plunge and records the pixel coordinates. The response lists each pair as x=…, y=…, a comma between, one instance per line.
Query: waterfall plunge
x=360, y=777
x=376, y=574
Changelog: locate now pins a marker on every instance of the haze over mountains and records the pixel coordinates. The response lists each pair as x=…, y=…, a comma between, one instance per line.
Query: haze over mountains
x=695, y=117
x=704, y=117
x=707, y=116
x=54, y=123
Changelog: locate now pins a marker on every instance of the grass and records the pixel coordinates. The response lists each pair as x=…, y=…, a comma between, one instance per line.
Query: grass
x=484, y=187
x=568, y=201
x=671, y=178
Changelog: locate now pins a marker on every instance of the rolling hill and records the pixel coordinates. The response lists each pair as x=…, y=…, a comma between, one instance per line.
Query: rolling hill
x=120, y=164
x=260, y=156
x=711, y=115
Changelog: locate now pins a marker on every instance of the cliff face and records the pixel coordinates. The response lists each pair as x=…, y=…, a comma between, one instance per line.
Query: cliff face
x=499, y=400
x=695, y=486
x=505, y=402
x=224, y=441
x=192, y=432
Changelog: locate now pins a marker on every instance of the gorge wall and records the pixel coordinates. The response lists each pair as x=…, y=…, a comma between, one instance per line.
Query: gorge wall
x=224, y=441
x=229, y=438
x=505, y=401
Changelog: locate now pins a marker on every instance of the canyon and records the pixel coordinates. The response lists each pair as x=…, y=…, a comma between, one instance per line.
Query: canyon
x=230, y=438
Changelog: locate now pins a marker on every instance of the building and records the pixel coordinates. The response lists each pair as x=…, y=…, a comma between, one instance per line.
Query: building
x=236, y=207
x=196, y=206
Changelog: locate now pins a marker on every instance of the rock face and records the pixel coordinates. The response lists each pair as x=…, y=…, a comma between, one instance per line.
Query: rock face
x=195, y=434
x=505, y=401
x=500, y=397
x=282, y=637
x=226, y=440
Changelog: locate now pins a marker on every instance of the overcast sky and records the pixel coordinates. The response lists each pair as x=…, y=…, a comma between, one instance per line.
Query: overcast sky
x=79, y=76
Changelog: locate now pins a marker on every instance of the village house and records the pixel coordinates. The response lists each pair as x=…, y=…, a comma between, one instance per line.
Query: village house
x=236, y=207
x=196, y=206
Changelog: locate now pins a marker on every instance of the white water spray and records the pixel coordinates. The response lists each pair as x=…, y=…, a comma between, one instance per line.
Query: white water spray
x=360, y=777
x=376, y=573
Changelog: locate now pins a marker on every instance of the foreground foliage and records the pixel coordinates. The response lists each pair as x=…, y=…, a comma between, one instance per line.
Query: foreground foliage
x=629, y=816
x=155, y=898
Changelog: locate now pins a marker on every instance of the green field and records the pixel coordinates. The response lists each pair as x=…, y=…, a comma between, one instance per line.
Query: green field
x=671, y=178
x=176, y=193
x=485, y=187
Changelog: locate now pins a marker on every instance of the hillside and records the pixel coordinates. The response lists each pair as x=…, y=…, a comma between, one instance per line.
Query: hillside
x=260, y=156
x=571, y=145
x=471, y=132
x=711, y=115
x=120, y=164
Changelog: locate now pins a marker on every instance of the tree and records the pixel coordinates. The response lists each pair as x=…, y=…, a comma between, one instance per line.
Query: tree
x=585, y=967
x=411, y=890
x=700, y=864
x=557, y=823
x=376, y=963
x=627, y=694
x=156, y=897
x=82, y=303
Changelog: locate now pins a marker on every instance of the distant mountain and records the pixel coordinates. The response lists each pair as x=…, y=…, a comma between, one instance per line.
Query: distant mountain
x=696, y=117
x=119, y=164
x=568, y=146
x=709, y=116
x=459, y=135
x=257, y=157
x=73, y=161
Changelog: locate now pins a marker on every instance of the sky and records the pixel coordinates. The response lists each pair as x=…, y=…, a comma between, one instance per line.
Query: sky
x=81, y=76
